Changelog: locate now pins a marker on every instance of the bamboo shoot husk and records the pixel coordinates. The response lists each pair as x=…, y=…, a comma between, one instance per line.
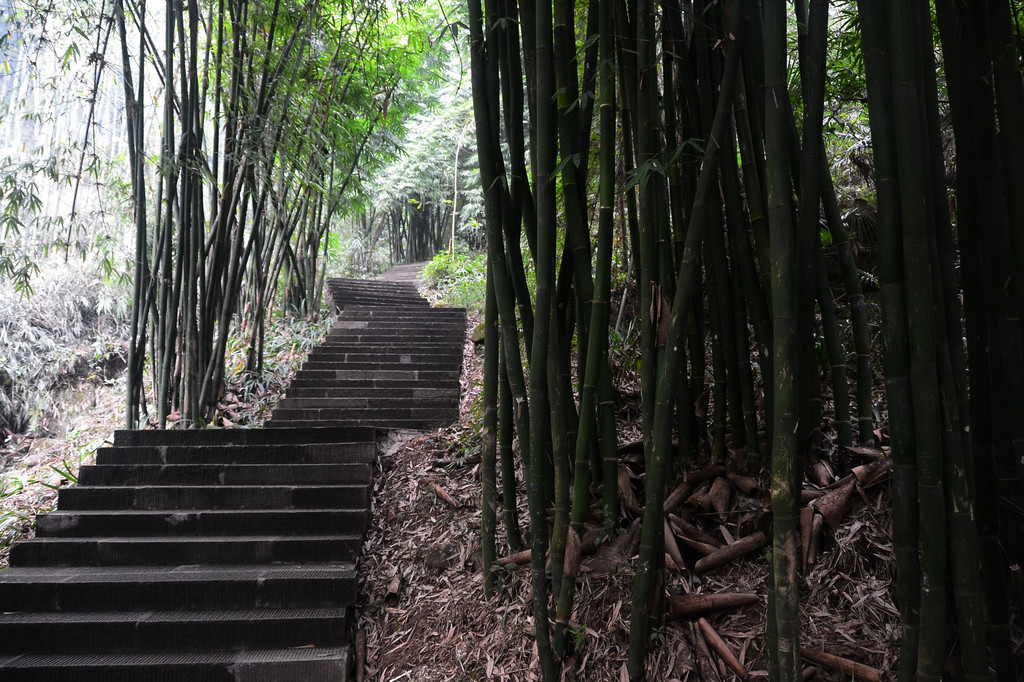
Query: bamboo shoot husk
x=834, y=505
x=629, y=501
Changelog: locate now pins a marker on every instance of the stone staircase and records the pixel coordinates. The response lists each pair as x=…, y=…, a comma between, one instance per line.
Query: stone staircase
x=230, y=554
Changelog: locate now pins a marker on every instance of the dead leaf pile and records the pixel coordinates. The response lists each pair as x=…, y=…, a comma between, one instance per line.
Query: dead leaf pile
x=423, y=616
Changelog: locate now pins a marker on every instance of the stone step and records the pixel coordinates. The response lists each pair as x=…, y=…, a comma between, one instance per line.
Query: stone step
x=388, y=296
x=344, y=354
x=212, y=497
x=377, y=340
x=327, y=664
x=153, y=631
x=374, y=416
x=175, y=551
x=379, y=325
x=320, y=382
x=382, y=423
x=343, y=284
x=342, y=434
x=224, y=474
x=140, y=588
x=320, y=453
x=435, y=377
x=315, y=365
x=385, y=404
x=198, y=522
x=446, y=350
x=408, y=289
x=405, y=314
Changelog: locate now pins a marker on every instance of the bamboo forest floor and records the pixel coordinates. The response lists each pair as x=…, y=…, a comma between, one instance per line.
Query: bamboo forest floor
x=423, y=616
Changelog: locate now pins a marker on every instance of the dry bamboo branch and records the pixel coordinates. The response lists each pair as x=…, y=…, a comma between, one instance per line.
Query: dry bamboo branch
x=849, y=669
x=685, y=605
x=733, y=551
x=721, y=648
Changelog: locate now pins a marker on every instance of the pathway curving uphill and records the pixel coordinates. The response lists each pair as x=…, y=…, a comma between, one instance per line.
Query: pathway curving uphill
x=230, y=554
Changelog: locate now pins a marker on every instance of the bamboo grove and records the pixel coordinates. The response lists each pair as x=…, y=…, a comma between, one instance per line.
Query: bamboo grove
x=269, y=113
x=682, y=142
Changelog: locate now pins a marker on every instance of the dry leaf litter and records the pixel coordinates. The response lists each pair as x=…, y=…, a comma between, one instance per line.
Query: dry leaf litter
x=424, y=617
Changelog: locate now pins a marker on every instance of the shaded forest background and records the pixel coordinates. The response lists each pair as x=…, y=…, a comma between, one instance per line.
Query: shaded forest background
x=799, y=227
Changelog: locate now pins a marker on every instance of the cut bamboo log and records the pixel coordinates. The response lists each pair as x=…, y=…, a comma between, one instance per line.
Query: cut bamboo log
x=835, y=505
x=360, y=655
x=721, y=649
x=700, y=499
x=687, y=529
x=849, y=669
x=573, y=548
x=686, y=605
x=678, y=494
x=734, y=551
x=394, y=587
x=720, y=495
x=707, y=668
x=627, y=542
x=806, y=521
x=808, y=495
x=517, y=559
x=866, y=453
x=671, y=548
x=874, y=472
x=629, y=501
x=745, y=484
x=812, y=554
x=699, y=547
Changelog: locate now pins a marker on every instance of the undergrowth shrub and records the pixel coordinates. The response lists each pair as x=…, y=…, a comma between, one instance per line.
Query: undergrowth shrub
x=459, y=279
x=72, y=328
x=287, y=341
